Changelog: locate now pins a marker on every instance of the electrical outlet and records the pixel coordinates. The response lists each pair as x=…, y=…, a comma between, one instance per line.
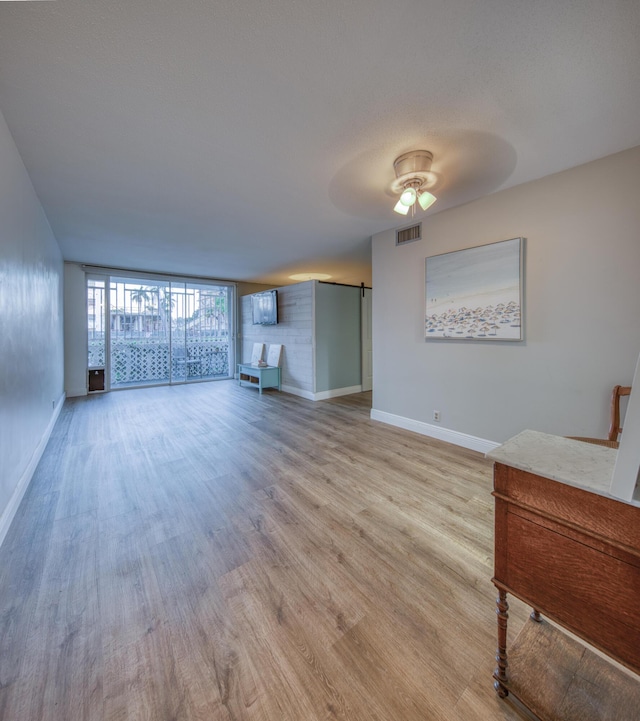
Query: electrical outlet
x=53, y=404
x=436, y=416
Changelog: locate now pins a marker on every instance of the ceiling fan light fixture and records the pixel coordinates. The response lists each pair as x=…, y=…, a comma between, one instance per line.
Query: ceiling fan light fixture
x=426, y=199
x=413, y=173
x=408, y=197
x=401, y=208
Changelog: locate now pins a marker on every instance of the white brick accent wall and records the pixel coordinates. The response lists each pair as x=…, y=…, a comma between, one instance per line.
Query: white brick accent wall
x=294, y=331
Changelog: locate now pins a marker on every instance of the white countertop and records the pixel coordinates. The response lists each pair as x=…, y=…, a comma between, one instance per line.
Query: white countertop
x=575, y=463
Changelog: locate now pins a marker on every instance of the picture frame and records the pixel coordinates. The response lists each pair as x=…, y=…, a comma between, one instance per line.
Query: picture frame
x=256, y=353
x=476, y=293
x=274, y=355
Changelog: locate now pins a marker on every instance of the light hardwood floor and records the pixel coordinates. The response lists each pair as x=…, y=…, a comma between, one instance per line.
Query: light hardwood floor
x=205, y=552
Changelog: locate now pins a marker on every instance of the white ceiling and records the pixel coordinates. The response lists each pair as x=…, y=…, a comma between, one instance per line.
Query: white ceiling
x=251, y=140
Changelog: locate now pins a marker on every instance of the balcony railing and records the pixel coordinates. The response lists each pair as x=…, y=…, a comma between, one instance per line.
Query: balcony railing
x=149, y=360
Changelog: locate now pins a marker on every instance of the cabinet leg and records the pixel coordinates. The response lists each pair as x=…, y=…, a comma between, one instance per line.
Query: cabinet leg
x=500, y=674
x=535, y=616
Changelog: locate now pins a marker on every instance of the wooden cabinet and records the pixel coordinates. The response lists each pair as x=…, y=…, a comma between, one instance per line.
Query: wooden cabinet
x=573, y=555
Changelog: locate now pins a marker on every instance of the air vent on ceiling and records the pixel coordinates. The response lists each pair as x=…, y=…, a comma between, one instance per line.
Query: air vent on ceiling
x=408, y=235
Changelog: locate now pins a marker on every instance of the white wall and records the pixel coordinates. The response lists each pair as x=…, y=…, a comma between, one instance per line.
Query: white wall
x=243, y=289
x=75, y=330
x=31, y=345
x=582, y=310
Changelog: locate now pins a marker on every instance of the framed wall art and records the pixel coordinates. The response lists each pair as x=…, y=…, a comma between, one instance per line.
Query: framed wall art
x=476, y=293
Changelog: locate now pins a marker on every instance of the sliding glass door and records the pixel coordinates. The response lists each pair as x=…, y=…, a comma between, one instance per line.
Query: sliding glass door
x=139, y=332
x=165, y=331
x=200, y=337
x=208, y=331
x=181, y=366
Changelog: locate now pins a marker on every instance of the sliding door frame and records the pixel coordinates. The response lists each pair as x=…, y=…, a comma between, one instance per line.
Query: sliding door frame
x=108, y=274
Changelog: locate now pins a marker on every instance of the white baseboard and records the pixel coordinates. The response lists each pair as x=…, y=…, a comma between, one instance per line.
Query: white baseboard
x=25, y=479
x=428, y=429
x=298, y=392
x=337, y=392
x=322, y=395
